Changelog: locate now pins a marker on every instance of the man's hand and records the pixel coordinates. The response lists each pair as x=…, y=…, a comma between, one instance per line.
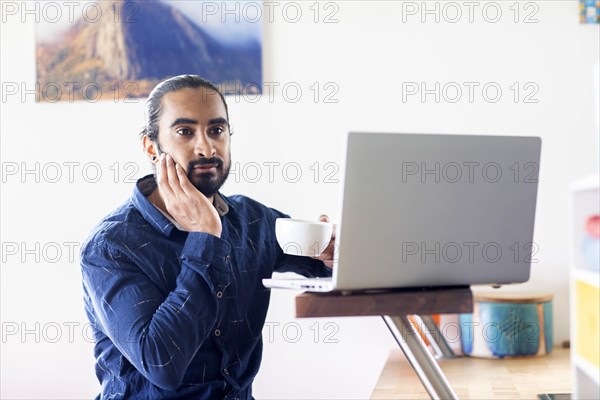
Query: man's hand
x=327, y=256
x=186, y=204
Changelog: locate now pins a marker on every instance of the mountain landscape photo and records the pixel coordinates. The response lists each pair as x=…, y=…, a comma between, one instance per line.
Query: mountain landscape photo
x=135, y=45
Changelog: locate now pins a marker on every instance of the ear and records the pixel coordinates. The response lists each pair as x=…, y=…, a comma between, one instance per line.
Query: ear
x=150, y=149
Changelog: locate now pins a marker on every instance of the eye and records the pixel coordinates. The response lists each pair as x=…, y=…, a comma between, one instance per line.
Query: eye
x=216, y=131
x=184, y=131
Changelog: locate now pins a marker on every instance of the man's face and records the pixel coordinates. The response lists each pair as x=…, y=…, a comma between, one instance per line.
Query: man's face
x=194, y=130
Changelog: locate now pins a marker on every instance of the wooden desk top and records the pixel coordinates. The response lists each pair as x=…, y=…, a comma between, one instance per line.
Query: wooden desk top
x=396, y=302
x=478, y=378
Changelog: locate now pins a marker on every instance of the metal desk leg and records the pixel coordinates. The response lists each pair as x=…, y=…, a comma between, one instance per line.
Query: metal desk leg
x=419, y=357
x=436, y=339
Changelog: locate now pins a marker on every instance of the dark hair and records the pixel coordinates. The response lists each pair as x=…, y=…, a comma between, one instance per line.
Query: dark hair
x=154, y=102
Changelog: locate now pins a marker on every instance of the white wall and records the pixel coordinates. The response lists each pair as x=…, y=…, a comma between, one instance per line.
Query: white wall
x=368, y=54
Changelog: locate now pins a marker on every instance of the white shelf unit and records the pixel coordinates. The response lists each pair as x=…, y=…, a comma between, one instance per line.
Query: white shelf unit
x=584, y=293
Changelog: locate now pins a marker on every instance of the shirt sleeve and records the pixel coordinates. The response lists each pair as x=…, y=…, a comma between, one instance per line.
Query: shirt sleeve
x=305, y=266
x=159, y=335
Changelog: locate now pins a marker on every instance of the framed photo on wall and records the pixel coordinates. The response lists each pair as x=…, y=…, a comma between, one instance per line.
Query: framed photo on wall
x=120, y=49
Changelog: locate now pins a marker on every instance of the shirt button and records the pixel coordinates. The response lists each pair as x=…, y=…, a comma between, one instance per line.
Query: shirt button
x=226, y=258
x=225, y=371
x=217, y=332
x=219, y=294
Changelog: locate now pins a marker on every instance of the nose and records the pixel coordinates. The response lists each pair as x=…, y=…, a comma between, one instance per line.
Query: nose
x=204, y=146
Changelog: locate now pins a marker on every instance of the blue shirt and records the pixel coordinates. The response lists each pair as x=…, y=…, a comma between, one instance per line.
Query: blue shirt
x=180, y=314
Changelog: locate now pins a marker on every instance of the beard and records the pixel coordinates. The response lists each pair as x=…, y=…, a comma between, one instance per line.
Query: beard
x=209, y=183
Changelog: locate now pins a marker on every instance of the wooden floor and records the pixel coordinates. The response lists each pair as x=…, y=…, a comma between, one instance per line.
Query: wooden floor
x=473, y=378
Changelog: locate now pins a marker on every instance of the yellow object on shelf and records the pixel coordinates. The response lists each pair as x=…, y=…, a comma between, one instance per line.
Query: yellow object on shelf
x=588, y=322
x=584, y=288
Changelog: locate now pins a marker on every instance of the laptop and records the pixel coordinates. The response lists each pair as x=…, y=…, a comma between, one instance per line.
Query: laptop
x=426, y=210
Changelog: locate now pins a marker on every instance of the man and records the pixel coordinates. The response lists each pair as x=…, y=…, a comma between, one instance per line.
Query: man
x=172, y=278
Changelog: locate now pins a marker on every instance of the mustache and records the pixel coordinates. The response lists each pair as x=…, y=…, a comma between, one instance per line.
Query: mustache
x=203, y=161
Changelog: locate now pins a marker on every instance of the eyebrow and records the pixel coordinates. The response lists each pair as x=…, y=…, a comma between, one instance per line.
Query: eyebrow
x=218, y=121
x=181, y=121
x=188, y=121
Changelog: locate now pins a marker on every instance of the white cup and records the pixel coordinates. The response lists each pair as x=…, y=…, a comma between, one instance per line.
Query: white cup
x=302, y=238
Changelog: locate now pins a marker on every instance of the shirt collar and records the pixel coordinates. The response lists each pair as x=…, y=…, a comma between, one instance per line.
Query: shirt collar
x=146, y=185
x=220, y=204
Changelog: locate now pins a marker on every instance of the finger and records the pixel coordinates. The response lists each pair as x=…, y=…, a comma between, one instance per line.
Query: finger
x=325, y=218
x=173, y=178
x=328, y=255
x=195, y=198
x=182, y=179
x=175, y=196
x=188, y=188
x=161, y=180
